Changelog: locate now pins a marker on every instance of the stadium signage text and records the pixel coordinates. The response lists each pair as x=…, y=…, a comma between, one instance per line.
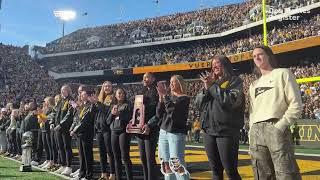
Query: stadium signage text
x=118, y=71
x=199, y=65
x=309, y=132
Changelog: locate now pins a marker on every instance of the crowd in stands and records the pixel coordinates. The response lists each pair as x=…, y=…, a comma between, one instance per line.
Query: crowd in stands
x=22, y=78
x=286, y=33
x=176, y=26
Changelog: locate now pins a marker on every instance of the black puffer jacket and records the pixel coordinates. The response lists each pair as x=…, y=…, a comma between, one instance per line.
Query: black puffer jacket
x=102, y=113
x=222, y=108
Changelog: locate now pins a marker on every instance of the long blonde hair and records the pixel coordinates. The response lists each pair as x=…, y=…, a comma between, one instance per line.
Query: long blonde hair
x=68, y=88
x=103, y=96
x=57, y=98
x=49, y=101
x=182, y=83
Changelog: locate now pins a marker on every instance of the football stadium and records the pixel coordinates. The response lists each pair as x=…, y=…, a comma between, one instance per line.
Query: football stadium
x=202, y=89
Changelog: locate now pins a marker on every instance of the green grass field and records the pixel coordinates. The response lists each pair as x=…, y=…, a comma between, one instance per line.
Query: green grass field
x=10, y=170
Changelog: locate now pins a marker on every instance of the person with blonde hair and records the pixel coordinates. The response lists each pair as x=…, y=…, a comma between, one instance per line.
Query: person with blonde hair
x=44, y=117
x=63, y=122
x=103, y=133
x=172, y=112
x=53, y=138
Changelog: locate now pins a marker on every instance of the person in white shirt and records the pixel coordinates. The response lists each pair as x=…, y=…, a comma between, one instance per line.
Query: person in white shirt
x=275, y=104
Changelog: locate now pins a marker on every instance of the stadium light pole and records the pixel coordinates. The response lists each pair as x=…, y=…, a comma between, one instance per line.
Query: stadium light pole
x=264, y=16
x=64, y=16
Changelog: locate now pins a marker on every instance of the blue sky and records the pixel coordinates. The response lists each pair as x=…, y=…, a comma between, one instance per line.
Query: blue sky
x=32, y=21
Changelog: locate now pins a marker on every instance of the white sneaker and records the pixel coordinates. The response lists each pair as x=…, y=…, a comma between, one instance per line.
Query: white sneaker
x=67, y=171
x=48, y=165
x=34, y=163
x=60, y=170
x=74, y=173
x=43, y=164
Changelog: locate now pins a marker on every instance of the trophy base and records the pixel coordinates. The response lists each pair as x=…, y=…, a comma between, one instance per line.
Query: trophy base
x=25, y=168
x=134, y=130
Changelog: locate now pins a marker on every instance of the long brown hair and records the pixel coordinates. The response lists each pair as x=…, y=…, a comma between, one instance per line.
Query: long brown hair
x=271, y=58
x=226, y=66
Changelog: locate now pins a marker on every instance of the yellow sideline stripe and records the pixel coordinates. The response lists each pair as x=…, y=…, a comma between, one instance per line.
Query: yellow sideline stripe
x=308, y=168
x=309, y=79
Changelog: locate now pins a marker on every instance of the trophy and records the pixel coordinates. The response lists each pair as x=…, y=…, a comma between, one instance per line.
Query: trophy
x=137, y=122
x=27, y=139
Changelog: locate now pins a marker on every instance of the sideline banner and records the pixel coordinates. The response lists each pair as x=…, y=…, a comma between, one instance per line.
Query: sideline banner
x=309, y=132
x=172, y=67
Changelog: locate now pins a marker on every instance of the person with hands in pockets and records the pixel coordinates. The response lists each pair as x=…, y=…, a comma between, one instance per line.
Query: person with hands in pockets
x=275, y=104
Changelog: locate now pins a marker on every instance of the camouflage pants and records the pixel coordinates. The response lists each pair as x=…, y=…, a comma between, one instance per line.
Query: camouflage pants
x=272, y=153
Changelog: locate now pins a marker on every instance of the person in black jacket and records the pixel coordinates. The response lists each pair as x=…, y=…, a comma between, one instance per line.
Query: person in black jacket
x=172, y=111
x=63, y=122
x=53, y=137
x=118, y=119
x=103, y=132
x=76, y=105
x=30, y=123
x=221, y=103
x=44, y=117
x=83, y=127
x=149, y=139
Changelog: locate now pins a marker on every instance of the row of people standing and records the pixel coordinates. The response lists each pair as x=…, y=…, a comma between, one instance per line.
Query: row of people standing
x=275, y=103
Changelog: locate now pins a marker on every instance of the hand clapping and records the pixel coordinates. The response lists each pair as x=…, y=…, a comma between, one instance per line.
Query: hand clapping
x=162, y=88
x=115, y=111
x=207, y=78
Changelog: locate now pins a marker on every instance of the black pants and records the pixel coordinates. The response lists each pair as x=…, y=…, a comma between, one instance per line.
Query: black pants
x=64, y=144
x=36, y=146
x=46, y=141
x=54, y=147
x=147, y=147
x=12, y=142
x=105, y=150
x=85, y=144
x=222, y=153
x=197, y=135
x=121, y=146
x=39, y=147
x=18, y=141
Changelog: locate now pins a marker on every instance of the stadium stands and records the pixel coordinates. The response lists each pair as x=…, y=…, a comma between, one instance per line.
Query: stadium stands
x=22, y=78
x=200, y=52
x=176, y=26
